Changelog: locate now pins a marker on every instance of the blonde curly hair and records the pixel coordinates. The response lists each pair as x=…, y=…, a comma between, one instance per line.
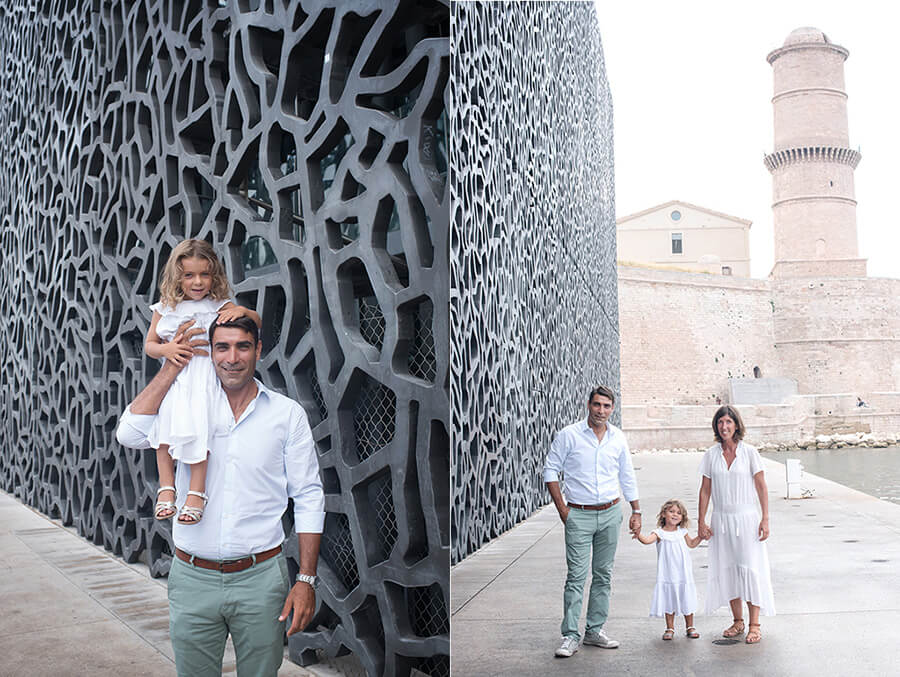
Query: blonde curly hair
x=170, y=292
x=661, y=517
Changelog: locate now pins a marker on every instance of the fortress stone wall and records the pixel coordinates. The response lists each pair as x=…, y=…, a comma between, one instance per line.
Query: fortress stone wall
x=683, y=335
x=837, y=335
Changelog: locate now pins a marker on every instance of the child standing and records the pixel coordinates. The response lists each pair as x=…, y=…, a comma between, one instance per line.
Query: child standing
x=675, y=592
x=193, y=287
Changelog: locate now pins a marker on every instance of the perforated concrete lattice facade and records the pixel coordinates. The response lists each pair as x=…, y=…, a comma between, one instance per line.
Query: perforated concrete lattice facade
x=533, y=306
x=307, y=141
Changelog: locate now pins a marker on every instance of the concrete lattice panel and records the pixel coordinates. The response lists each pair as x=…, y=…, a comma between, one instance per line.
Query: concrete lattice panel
x=305, y=139
x=533, y=304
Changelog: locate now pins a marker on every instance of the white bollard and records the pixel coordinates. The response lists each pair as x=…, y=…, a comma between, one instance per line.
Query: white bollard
x=794, y=474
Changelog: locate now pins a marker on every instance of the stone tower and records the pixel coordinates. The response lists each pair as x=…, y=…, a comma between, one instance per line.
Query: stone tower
x=813, y=203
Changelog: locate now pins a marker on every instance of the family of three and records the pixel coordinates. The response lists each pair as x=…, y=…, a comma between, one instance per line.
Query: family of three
x=243, y=452
x=592, y=456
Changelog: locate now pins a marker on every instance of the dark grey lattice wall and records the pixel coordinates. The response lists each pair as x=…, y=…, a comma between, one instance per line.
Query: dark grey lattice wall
x=533, y=307
x=307, y=140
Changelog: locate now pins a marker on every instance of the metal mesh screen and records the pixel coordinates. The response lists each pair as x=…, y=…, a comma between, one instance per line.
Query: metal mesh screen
x=427, y=611
x=308, y=142
x=371, y=321
x=434, y=666
x=337, y=552
x=373, y=417
x=534, y=310
x=421, y=358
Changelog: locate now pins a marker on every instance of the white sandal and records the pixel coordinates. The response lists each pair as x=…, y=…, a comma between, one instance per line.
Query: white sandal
x=165, y=505
x=193, y=514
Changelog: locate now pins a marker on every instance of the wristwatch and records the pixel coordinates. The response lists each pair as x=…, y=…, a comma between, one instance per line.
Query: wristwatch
x=306, y=578
x=636, y=512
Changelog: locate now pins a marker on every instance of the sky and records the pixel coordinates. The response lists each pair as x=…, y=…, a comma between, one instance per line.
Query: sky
x=692, y=93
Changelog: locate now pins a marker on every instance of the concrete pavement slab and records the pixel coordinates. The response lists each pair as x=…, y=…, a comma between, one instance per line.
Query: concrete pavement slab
x=104, y=647
x=836, y=574
x=68, y=607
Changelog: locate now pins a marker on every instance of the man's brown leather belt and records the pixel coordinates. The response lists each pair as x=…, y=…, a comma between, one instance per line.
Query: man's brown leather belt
x=228, y=566
x=602, y=506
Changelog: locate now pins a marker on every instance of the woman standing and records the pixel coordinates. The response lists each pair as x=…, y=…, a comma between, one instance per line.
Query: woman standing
x=738, y=558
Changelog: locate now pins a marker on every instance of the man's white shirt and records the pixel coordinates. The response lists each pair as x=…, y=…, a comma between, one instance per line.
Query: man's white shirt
x=594, y=470
x=261, y=460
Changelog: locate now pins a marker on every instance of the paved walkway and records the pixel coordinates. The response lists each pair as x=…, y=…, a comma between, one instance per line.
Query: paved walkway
x=68, y=607
x=836, y=573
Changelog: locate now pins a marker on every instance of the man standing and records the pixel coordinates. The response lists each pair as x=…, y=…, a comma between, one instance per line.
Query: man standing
x=594, y=459
x=229, y=573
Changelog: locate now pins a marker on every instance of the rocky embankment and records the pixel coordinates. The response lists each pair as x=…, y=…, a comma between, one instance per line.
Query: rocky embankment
x=818, y=442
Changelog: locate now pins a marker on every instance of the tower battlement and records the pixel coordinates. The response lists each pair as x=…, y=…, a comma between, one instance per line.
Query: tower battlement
x=790, y=156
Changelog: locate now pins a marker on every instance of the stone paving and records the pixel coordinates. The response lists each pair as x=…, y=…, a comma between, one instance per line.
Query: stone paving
x=836, y=573
x=69, y=608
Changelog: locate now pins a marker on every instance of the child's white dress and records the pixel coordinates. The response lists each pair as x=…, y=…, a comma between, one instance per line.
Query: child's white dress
x=191, y=412
x=675, y=592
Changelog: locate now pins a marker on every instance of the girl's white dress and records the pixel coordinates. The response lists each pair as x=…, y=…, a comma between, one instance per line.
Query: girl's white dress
x=191, y=412
x=675, y=592
x=738, y=560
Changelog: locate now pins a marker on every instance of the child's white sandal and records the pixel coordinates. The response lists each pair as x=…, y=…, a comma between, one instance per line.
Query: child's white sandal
x=165, y=505
x=193, y=514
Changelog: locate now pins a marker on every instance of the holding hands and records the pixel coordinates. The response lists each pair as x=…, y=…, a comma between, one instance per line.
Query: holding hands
x=646, y=540
x=705, y=532
x=634, y=524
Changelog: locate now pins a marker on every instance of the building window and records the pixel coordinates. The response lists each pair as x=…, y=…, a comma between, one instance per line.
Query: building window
x=676, y=243
x=675, y=215
x=726, y=270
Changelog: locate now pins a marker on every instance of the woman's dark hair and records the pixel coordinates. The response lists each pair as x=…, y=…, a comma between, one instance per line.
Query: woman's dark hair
x=603, y=391
x=732, y=413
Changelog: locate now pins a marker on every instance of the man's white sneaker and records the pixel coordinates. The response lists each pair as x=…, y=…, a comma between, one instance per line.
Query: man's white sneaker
x=568, y=647
x=599, y=638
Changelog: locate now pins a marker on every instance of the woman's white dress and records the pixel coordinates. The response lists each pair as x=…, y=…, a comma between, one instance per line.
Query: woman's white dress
x=738, y=560
x=191, y=413
x=675, y=592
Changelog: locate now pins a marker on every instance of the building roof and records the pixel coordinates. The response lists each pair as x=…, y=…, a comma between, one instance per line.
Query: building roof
x=806, y=34
x=670, y=203
x=806, y=37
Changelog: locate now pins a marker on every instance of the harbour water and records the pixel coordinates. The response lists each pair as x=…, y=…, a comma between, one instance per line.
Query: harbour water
x=872, y=471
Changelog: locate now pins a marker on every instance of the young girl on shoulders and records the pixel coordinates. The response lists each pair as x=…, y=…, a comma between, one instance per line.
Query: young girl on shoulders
x=675, y=592
x=193, y=287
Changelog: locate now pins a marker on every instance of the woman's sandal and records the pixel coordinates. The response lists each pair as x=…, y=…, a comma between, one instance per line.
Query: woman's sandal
x=753, y=635
x=692, y=633
x=165, y=505
x=188, y=513
x=735, y=629
x=669, y=634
